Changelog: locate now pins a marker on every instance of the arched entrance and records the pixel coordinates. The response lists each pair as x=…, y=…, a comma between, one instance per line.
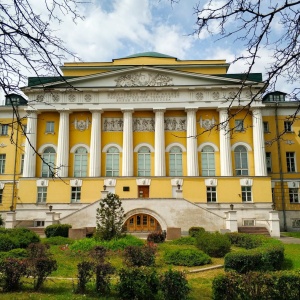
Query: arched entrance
x=142, y=223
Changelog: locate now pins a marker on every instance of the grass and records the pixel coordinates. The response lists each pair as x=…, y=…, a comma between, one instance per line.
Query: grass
x=200, y=283
x=291, y=234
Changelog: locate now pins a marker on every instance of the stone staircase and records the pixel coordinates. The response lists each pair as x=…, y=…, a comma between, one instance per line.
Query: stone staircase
x=254, y=230
x=38, y=230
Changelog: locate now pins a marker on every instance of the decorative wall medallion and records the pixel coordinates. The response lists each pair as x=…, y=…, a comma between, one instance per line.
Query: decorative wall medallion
x=144, y=79
x=55, y=97
x=289, y=142
x=71, y=97
x=175, y=124
x=112, y=124
x=216, y=95
x=143, y=124
x=207, y=123
x=81, y=125
x=199, y=96
x=232, y=95
x=3, y=145
x=40, y=98
x=87, y=98
x=248, y=94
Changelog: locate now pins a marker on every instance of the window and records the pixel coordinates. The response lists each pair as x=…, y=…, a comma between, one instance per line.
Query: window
x=1, y=195
x=144, y=161
x=2, y=163
x=211, y=194
x=290, y=162
x=175, y=161
x=41, y=194
x=112, y=162
x=288, y=126
x=75, y=193
x=241, y=160
x=22, y=163
x=3, y=129
x=80, y=162
x=269, y=162
x=294, y=196
x=239, y=125
x=266, y=127
x=246, y=193
x=50, y=127
x=208, y=161
x=48, y=162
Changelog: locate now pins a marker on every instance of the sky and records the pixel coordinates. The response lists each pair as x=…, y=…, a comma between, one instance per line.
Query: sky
x=118, y=28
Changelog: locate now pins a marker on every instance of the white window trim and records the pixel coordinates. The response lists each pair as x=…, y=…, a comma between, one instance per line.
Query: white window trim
x=137, y=148
x=75, y=147
x=170, y=146
x=106, y=147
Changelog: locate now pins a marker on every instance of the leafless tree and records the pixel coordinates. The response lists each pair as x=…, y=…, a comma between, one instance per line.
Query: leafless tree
x=29, y=44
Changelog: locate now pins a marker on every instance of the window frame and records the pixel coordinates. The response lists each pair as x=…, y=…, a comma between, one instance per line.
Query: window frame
x=115, y=162
x=206, y=157
x=82, y=159
x=175, y=156
x=3, y=129
x=144, y=162
x=75, y=194
x=294, y=195
x=269, y=162
x=48, y=159
x=2, y=163
x=288, y=126
x=239, y=161
x=22, y=163
x=1, y=195
x=266, y=127
x=49, y=127
x=239, y=125
x=41, y=194
x=290, y=162
x=246, y=193
x=211, y=194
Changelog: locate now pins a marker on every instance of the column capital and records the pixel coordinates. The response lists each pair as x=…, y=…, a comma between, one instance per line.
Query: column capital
x=159, y=109
x=127, y=110
x=31, y=110
x=96, y=110
x=64, y=110
x=187, y=109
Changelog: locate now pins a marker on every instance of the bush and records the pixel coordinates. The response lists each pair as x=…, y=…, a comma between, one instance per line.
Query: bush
x=57, y=230
x=186, y=257
x=268, y=257
x=156, y=237
x=7, y=243
x=186, y=240
x=85, y=273
x=254, y=285
x=17, y=253
x=103, y=270
x=139, y=256
x=214, y=244
x=194, y=231
x=138, y=283
x=174, y=285
x=245, y=240
x=58, y=240
x=13, y=269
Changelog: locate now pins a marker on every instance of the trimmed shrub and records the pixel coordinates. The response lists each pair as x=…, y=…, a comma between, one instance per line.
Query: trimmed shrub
x=156, y=237
x=7, y=243
x=245, y=240
x=13, y=269
x=185, y=240
x=138, y=283
x=17, y=253
x=57, y=230
x=254, y=285
x=174, y=285
x=186, y=257
x=58, y=240
x=268, y=257
x=214, y=244
x=194, y=231
x=139, y=256
x=85, y=273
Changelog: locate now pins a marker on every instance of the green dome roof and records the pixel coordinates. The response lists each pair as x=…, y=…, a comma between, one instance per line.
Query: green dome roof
x=150, y=54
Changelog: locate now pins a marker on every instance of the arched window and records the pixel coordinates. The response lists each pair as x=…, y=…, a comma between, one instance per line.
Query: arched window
x=144, y=161
x=80, y=162
x=175, y=167
x=208, y=161
x=112, y=161
x=48, y=162
x=241, y=160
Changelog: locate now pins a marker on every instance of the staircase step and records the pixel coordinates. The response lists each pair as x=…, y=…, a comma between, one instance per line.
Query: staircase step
x=254, y=230
x=38, y=230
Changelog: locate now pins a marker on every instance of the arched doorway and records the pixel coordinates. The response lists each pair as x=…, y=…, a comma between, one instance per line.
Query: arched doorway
x=142, y=223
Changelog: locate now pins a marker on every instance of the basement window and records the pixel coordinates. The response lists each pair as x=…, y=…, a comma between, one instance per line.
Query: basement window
x=248, y=222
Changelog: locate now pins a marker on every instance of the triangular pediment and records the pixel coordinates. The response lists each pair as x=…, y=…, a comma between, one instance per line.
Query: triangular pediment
x=143, y=76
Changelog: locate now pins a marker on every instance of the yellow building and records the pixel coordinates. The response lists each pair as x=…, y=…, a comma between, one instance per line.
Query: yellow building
x=182, y=142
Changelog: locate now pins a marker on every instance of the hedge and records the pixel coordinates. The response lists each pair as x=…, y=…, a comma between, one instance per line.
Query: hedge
x=269, y=256
x=57, y=230
x=256, y=285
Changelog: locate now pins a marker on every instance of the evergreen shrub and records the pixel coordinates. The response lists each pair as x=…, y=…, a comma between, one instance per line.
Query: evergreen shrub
x=214, y=244
x=194, y=231
x=57, y=230
x=58, y=240
x=85, y=273
x=139, y=256
x=156, y=237
x=185, y=240
x=186, y=257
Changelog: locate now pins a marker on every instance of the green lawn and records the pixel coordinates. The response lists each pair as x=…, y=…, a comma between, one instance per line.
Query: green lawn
x=67, y=260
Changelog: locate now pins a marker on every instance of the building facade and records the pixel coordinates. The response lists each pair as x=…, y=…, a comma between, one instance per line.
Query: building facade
x=183, y=143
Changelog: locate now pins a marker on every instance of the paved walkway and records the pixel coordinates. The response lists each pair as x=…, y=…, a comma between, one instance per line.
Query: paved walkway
x=289, y=240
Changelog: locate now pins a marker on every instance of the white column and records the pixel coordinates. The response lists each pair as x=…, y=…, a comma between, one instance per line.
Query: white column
x=62, y=161
x=258, y=143
x=160, y=156
x=225, y=148
x=30, y=145
x=95, y=147
x=191, y=132
x=127, y=158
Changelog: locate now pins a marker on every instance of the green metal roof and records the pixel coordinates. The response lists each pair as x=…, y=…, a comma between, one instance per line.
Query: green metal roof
x=257, y=77
x=150, y=54
x=32, y=81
